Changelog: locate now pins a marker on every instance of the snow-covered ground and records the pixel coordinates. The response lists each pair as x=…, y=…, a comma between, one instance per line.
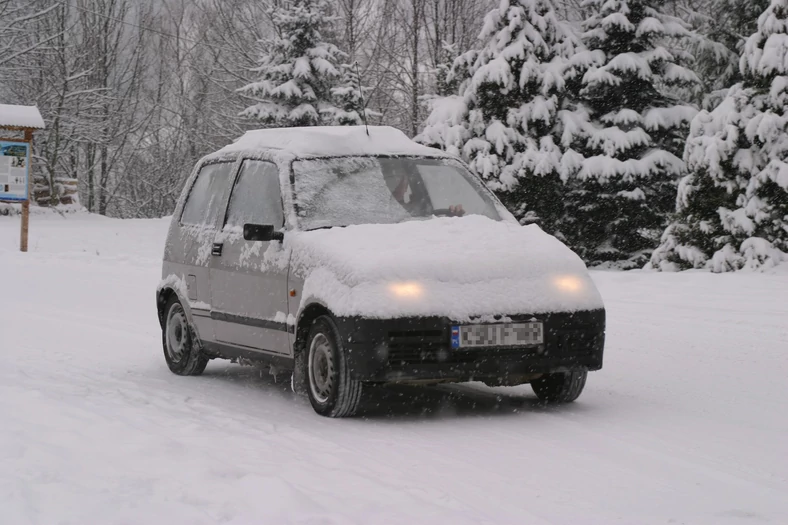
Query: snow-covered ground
x=686, y=424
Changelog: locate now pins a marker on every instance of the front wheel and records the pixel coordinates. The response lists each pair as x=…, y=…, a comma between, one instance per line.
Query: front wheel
x=563, y=387
x=181, y=350
x=331, y=390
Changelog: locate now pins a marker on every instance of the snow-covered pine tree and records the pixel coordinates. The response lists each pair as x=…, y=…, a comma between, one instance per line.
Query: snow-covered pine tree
x=348, y=99
x=735, y=20
x=301, y=80
x=723, y=27
x=504, y=121
x=628, y=133
x=733, y=204
x=446, y=82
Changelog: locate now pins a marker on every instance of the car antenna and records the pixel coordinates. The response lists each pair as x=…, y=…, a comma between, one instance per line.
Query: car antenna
x=363, y=104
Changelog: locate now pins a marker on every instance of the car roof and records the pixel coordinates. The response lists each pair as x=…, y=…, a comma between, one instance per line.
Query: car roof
x=331, y=141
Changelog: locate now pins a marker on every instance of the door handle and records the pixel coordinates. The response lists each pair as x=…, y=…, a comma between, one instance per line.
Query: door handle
x=217, y=249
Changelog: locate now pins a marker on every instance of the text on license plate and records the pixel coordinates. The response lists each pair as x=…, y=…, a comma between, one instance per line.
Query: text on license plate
x=501, y=334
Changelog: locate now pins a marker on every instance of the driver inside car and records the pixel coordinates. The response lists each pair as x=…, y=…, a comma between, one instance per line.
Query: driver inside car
x=401, y=188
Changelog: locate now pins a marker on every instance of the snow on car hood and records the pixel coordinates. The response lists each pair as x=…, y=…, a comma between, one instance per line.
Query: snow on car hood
x=454, y=267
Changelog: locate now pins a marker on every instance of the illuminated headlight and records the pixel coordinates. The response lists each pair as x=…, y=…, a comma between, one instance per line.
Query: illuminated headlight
x=406, y=290
x=569, y=283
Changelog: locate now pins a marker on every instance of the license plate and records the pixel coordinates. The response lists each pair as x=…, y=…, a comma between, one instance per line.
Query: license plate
x=501, y=334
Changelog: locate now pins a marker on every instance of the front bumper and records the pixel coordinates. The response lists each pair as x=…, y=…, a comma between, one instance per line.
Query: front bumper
x=419, y=349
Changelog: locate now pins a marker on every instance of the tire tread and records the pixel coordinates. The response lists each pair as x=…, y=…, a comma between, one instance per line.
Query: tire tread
x=349, y=391
x=196, y=361
x=563, y=387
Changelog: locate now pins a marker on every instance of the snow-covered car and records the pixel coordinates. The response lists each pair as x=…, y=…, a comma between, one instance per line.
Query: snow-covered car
x=356, y=259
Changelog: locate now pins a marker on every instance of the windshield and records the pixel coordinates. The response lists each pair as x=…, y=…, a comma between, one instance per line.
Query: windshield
x=385, y=190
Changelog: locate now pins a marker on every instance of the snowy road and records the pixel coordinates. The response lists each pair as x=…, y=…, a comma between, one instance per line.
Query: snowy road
x=687, y=423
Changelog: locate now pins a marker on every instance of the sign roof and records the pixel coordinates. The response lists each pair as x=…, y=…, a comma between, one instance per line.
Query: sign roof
x=20, y=117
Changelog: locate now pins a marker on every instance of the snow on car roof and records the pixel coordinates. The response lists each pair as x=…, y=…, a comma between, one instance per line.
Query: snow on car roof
x=332, y=141
x=20, y=117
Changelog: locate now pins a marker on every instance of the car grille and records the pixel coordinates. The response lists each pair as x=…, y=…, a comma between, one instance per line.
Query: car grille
x=417, y=346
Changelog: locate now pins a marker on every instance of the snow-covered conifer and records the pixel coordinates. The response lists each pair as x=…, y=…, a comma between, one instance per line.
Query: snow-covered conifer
x=628, y=134
x=301, y=82
x=723, y=29
x=348, y=99
x=733, y=204
x=446, y=82
x=734, y=21
x=504, y=120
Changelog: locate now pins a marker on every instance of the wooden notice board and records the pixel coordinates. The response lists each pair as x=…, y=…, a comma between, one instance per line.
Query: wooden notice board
x=17, y=124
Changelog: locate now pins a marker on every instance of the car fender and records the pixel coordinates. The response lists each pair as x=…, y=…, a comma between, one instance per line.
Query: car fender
x=308, y=303
x=176, y=284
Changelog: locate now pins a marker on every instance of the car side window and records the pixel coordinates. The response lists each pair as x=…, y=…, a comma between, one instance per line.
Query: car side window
x=256, y=197
x=205, y=197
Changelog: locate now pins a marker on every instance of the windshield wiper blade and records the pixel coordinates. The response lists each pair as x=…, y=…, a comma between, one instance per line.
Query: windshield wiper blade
x=326, y=227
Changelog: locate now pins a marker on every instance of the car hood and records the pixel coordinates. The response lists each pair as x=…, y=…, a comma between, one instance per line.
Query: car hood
x=456, y=267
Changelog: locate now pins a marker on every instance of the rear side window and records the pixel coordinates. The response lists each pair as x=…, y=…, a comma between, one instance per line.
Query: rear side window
x=205, y=198
x=256, y=197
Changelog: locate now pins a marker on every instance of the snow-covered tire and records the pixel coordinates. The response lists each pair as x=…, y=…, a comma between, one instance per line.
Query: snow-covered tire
x=331, y=390
x=560, y=387
x=181, y=349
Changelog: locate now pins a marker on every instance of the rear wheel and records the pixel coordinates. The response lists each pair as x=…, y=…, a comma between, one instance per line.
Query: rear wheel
x=181, y=350
x=331, y=390
x=563, y=387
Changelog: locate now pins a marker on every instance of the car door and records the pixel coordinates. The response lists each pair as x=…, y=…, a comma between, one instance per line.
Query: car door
x=249, y=278
x=189, y=244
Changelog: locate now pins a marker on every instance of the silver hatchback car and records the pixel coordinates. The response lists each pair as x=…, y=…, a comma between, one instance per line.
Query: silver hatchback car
x=356, y=257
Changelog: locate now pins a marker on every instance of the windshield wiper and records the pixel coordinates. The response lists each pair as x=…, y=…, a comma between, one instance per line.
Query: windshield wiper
x=326, y=227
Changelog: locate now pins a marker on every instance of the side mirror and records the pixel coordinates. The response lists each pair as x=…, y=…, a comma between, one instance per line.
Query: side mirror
x=262, y=232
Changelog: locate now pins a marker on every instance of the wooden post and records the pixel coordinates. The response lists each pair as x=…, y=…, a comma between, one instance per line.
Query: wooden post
x=26, y=204
x=25, y=225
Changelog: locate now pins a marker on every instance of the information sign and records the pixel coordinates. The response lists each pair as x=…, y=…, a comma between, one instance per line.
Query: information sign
x=14, y=168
